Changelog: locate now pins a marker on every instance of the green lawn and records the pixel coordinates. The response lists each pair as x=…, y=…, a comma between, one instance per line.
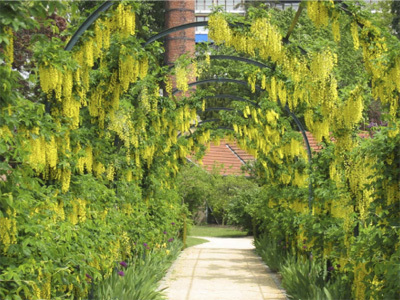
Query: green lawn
x=192, y=241
x=216, y=231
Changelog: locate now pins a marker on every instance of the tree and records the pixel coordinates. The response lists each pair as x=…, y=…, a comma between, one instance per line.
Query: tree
x=396, y=17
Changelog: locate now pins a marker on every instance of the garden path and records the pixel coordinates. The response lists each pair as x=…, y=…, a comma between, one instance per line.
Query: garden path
x=224, y=268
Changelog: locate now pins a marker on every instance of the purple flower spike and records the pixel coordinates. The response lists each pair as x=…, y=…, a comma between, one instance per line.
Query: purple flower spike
x=338, y=266
x=165, y=232
x=124, y=264
x=121, y=273
x=173, y=223
x=331, y=268
x=145, y=244
x=170, y=240
x=88, y=276
x=304, y=247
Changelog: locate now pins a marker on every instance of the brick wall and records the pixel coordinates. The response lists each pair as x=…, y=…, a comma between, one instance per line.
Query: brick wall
x=180, y=42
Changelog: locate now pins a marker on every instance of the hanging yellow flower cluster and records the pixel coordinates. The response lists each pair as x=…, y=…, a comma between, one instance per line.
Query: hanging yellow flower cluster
x=318, y=12
x=360, y=177
x=78, y=212
x=61, y=83
x=204, y=137
x=335, y=26
x=9, y=49
x=320, y=129
x=349, y=114
x=65, y=178
x=86, y=161
x=219, y=30
x=251, y=79
x=58, y=208
x=267, y=39
x=294, y=148
x=8, y=230
x=43, y=156
x=322, y=86
x=50, y=78
x=392, y=192
x=181, y=78
x=125, y=20
x=322, y=64
x=359, y=286
x=128, y=69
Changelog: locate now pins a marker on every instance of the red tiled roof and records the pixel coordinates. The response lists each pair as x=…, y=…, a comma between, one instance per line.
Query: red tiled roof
x=230, y=158
x=227, y=156
x=313, y=142
x=315, y=146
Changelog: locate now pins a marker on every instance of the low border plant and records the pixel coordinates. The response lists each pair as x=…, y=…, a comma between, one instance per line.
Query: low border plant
x=138, y=278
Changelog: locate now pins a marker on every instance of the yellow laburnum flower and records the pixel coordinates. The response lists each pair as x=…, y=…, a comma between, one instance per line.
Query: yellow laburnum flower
x=9, y=49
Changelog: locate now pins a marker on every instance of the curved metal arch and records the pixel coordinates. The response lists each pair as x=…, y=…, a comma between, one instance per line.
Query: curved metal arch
x=216, y=109
x=174, y=29
x=200, y=123
x=236, y=58
x=85, y=25
x=106, y=5
x=242, y=59
x=233, y=97
x=242, y=82
x=296, y=120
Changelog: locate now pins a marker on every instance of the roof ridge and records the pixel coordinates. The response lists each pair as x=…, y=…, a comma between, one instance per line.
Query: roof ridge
x=234, y=152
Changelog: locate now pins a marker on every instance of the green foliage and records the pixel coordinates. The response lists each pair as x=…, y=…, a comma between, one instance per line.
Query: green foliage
x=139, y=280
x=307, y=279
x=395, y=9
x=192, y=241
x=216, y=231
x=195, y=186
x=274, y=253
x=230, y=197
x=81, y=213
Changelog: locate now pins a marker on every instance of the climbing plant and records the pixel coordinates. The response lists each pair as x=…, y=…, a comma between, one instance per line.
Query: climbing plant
x=88, y=164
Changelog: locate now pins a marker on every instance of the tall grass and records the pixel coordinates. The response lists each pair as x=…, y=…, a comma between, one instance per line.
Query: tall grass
x=272, y=252
x=302, y=278
x=140, y=278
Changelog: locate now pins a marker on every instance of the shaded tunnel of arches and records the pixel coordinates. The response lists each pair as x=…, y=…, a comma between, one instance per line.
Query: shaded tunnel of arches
x=106, y=5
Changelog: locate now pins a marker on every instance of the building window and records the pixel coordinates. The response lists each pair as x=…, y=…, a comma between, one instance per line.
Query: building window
x=202, y=29
x=205, y=6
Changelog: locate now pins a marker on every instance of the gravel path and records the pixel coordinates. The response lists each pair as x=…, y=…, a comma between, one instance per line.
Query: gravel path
x=224, y=268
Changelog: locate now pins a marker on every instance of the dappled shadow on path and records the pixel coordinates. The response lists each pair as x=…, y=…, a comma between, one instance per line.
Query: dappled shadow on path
x=222, y=273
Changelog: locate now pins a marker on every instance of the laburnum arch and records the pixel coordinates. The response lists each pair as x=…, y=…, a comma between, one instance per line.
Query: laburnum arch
x=145, y=128
x=311, y=79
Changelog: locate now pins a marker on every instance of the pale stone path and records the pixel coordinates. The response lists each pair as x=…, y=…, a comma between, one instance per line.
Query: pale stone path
x=224, y=268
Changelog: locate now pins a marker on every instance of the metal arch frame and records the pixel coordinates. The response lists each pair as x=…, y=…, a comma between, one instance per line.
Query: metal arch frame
x=107, y=4
x=221, y=79
x=86, y=24
x=216, y=109
x=286, y=107
x=200, y=123
x=237, y=58
x=233, y=98
x=258, y=88
x=242, y=59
